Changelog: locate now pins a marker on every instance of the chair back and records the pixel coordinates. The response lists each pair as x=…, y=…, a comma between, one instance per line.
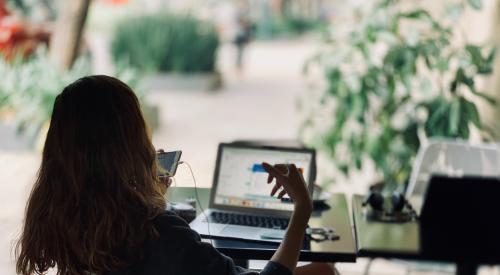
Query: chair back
x=451, y=158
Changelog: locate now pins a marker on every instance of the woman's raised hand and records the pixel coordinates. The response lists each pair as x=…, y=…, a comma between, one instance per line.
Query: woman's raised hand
x=293, y=183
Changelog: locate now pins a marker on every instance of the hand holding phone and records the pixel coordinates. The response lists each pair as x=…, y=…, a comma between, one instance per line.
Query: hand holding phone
x=168, y=162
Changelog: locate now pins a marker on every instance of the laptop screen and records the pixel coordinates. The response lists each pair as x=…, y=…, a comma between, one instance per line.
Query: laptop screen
x=242, y=181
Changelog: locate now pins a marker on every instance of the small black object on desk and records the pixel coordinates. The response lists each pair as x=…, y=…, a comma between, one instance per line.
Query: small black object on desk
x=394, y=208
x=184, y=210
x=458, y=223
x=336, y=217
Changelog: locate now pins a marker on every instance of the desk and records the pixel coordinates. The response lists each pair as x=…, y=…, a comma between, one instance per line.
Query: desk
x=403, y=241
x=337, y=217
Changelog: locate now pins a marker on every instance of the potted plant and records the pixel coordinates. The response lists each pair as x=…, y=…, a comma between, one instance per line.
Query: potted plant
x=174, y=51
x=397, y=77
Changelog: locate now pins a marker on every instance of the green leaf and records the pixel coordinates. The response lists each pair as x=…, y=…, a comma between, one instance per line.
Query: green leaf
x=371, y=33
x=344, y=168
x=358, y=163
x=410, y=137
x=487, y=67
x=475, y=4
x=454, y=121
x=485, y=70
x=442, y=64
x=400, y=60
x=492, y=55
x=472, y=113
x=475, y=53
x=416, y=14
x=363, y=49
x=462, y=78
x=486, y=97
x=334, y=77
x=437, y=124
x=483, y=65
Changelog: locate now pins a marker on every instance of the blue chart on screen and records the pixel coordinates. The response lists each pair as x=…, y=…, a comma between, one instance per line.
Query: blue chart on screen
x=242, y=180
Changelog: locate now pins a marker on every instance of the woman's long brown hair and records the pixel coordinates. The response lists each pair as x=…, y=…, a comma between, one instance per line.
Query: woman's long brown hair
x=92, y=205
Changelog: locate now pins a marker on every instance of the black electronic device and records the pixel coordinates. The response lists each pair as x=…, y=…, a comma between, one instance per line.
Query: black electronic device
x=168, y=162
x=459, y=218
x=392, y=208
x=184, y=210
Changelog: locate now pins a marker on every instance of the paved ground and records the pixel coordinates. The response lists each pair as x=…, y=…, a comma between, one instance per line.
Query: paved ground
x=258, y=103
x=17, y=171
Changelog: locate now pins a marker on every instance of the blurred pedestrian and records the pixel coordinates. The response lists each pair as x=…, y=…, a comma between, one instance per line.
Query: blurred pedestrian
x=243, y=32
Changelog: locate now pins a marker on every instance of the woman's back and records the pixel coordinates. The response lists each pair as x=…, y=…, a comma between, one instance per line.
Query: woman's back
x=96, y=193
x=179, y=250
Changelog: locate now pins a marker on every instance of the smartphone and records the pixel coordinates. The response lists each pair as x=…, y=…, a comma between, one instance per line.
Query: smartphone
x=167, y=163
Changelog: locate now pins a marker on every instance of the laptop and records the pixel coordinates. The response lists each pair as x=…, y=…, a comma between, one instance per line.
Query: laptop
x=240, y=206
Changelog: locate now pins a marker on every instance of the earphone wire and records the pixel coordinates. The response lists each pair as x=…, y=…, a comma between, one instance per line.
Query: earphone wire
x=175, y=181
x=198, y=200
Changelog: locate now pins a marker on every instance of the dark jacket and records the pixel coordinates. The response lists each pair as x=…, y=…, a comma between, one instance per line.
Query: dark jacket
x=179, y=250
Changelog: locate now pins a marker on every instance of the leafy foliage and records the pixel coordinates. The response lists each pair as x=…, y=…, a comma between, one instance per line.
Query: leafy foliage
x=394, y=79
x=29, y=87
x=287, y=25
x=167, y=43
x=290, y=26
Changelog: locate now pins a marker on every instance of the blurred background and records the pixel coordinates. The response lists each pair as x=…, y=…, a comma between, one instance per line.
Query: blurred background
x=365, y=82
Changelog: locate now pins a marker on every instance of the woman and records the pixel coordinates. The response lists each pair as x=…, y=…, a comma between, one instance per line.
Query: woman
x=97, y=206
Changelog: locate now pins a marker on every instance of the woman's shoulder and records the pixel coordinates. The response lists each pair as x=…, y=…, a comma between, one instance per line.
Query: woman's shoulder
x=170, y=226
x=169, y=252
x=168, y=219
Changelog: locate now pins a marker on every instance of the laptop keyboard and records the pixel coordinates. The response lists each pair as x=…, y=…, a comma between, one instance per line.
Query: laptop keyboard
x=249, y=220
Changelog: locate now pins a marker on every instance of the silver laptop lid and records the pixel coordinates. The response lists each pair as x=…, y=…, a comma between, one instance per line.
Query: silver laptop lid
x=240, y=182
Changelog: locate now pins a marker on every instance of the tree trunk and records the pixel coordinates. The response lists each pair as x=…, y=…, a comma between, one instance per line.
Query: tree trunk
x=66, y=38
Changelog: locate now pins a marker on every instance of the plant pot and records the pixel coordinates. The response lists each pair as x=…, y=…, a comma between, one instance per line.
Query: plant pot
x=183, y=82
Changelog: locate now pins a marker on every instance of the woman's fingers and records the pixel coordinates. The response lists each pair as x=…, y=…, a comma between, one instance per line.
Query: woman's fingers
x=282, y=173
x=281, y=194
x=276, y=187
x=293, y=169
x=277, y=170
x=272, y=174
x=273, y=171
x=269, y=178
x=283, y=169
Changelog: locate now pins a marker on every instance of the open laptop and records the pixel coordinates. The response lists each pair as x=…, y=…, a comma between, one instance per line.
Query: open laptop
x=240, y=205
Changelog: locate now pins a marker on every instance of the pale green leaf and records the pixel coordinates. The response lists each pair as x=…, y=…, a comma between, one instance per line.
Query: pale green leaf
x=476, y=4
x=454, y=117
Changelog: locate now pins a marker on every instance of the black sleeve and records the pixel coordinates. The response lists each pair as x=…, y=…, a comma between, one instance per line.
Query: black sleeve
x=202, y=258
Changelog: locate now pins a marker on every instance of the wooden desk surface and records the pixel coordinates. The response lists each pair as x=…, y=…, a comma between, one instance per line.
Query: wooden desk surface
x=336, y=217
